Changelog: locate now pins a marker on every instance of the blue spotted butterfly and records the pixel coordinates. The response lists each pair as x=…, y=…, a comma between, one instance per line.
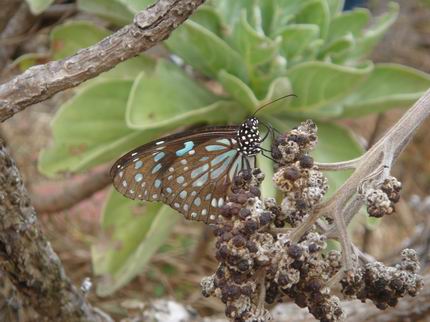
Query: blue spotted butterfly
x=190, y=171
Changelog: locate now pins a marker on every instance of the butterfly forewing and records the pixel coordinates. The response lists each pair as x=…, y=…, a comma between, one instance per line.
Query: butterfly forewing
x=191, y=171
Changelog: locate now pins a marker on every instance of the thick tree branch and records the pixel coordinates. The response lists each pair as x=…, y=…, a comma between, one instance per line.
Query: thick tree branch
x=27, y=257
x=73, y=193
x=41, y=82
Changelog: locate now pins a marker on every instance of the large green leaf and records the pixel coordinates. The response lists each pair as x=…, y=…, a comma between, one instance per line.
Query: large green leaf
x=38, y=6
x=318, y=84
x=373, y=35
x=90, y=129
x=209, y=18
x=296, y=37
x=349, y=22
x=254, y=47
x=111, y=10
x=170, y=97
x=315, y=12
x=389, y=86
x=71, y=36
x=133, y=234
x=238, y=90
x=205, y=51
x=335, y=6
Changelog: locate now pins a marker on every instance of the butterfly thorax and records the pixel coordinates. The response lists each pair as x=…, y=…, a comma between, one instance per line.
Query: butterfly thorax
x=248, y=137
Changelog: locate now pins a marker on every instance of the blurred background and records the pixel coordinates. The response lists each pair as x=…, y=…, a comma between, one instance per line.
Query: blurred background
x=355, y=67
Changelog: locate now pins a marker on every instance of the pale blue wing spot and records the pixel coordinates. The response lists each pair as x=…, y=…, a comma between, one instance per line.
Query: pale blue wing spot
x=197, y=172
x=138, y=164
x=169, y=190
x=197, y=202
x=193, y=214
x=224, y=141
x=176, y=205
x=186, y=207
x=223, y=156
x=183, y=194
x=214, y=147
x=187, y=147
x=204, y=159
x=138, y=177
x=193, y=193
x=180, y=179
x=159, y=156
x=218, y=171
x=201, y=181
x=208, y=196
x=214, y=203
x=157, y=183
x=204, y=212
x=156, y=168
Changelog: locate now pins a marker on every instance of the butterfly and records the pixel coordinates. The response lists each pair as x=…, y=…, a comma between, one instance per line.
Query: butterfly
x=190, y=171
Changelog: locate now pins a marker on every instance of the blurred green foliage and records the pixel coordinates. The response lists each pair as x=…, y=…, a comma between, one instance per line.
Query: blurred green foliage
x=255, y=51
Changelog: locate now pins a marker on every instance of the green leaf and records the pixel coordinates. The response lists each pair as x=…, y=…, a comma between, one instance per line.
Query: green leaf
x=389, y=86
x=25, y=61
x=349, y=22
x=296, y=37
x=38, y=6
x=338, y=49
x=133, y=238
x=89, y=129
x=318, y=84
x=373, y=35
x=135, y=6
x=111, y=10
x=209, y=18
x=170, y=97
x=238, y=90
x=208, y=52
x=335, y=144
x=335, y=6
x=315, y=12
x=71, y=36
x=255, y=48
x=230, y=11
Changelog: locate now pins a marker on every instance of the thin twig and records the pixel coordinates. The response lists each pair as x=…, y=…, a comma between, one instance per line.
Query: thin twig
x=72, y=194
x=40, y=82
x=338, y=166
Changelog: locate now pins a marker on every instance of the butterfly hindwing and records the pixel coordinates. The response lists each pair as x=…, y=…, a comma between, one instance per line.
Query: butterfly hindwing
x=190, y=172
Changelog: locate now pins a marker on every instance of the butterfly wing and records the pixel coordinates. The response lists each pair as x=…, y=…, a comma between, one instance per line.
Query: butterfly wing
x=190, y=171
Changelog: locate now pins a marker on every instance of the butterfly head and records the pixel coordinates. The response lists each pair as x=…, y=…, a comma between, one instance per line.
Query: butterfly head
x=248, y=137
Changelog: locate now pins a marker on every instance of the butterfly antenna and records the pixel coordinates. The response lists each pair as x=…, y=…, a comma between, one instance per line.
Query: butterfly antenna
x=271, y=102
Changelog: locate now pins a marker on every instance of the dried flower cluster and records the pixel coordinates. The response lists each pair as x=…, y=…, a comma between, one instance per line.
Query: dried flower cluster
x=298, y=178
x=259, y=263
x=381, y=199
x=384, y=285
